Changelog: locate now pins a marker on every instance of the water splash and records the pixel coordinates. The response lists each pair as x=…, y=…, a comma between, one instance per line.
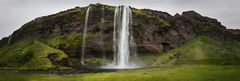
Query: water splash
x=85, y=35
x=123, y=44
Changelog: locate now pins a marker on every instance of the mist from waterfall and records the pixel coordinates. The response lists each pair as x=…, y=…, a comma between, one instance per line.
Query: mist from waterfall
x=124, y=46
x=85, y=35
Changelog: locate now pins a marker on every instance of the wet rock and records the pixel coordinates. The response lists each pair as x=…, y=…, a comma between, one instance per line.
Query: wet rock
x=52, y=58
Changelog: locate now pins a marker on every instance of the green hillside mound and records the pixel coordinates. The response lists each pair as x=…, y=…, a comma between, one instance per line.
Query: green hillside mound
x=29, y=54
x=204, y=50
x=42, y=53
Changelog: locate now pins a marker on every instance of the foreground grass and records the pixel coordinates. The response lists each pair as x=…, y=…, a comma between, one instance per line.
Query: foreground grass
x=160, y=73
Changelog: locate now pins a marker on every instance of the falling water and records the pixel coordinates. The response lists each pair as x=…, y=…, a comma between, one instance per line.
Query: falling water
x=85, y=34
x=116, y=18
x=102, y=28
x=9, y=40
x=123, y=43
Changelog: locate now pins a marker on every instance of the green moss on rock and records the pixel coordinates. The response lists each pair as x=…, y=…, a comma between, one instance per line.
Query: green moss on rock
x=164, y=23
x=72, y=39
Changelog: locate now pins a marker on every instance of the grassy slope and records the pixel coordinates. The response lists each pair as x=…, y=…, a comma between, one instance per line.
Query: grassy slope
x=73, y=39
x=204, y=50
x=64, y=41
x=161, y=73
x=29, y=54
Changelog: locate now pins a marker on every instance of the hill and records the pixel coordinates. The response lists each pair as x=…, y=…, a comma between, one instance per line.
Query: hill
x=54, y=41
x=204, y=50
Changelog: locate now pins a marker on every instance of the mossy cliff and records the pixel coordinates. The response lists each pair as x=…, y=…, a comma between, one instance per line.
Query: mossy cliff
x=55, y=41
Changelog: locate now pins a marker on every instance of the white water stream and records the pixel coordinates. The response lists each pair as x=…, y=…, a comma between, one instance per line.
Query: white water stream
x=85, y=35
x=123, y=43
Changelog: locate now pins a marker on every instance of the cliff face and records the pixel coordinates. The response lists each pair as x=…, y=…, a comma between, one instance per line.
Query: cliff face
x=154, y=31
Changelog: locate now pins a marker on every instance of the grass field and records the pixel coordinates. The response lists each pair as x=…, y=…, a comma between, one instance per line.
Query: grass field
x=159, y=73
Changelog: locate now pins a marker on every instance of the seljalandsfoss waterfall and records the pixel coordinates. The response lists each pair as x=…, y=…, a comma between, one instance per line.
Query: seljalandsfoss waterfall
x=123, y=43
x=124, y=47
x=120, y=40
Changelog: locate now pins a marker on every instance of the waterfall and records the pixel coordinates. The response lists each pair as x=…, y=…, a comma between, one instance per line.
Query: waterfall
x=123, y=42
x=101, y=34
x=85, y=35
x=9, y=40
x=116, y=18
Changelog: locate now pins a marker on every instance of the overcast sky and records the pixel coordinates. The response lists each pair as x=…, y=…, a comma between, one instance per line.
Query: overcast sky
x=15, y=13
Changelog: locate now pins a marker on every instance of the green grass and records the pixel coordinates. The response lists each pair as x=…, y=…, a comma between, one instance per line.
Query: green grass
x=72, y=39
x=160, y=73
x=147, y=59
x=204, y=50
x=65, y=41
x=164, y=23
x=32, y=53
x=29, y=54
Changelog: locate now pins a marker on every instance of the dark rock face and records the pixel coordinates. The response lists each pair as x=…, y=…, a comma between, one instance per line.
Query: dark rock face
x=154, y=31
x=63, y=62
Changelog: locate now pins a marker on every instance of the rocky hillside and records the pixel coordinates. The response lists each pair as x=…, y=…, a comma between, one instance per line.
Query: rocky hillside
x=154, y=31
